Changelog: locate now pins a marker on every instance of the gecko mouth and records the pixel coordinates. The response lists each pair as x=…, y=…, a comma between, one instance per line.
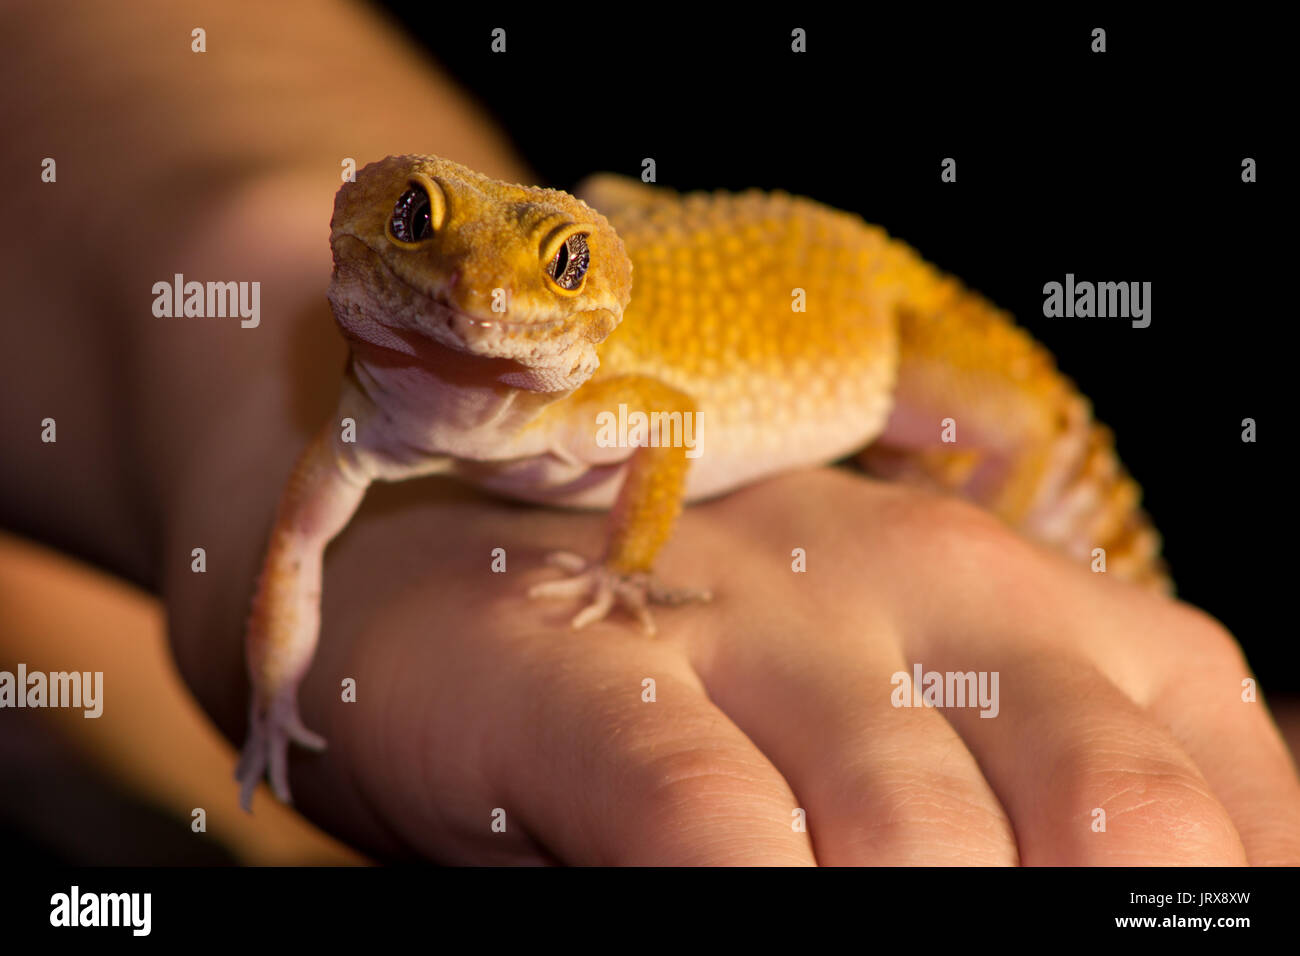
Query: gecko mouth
x=551, y=343
x=471, y=330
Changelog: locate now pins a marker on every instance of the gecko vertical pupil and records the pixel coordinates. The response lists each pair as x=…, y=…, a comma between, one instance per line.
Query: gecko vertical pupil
x=412, y=220
x=569, y=266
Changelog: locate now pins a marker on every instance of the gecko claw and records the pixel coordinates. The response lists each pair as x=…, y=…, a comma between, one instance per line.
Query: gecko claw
x=633, y=591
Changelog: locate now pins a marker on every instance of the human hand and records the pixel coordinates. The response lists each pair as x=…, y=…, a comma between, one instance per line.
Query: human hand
x=777, y=696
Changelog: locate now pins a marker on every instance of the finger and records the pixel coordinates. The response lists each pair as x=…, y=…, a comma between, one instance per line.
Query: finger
x=1234, y=742
x=599, y=774
x=1187, y=673
x=880, y=785
x=1086, y=776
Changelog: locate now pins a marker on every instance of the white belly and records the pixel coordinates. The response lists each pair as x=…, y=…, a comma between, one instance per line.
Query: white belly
x=728, y=458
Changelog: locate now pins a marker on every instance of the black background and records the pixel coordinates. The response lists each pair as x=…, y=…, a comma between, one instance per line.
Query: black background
x=1122, y=166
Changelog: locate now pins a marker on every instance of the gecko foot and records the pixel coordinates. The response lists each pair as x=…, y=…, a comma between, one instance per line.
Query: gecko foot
x=634, y=591
x=271, y=726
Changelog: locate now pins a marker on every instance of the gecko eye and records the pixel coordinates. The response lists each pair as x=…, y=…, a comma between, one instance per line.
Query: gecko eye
x=569, y=267
x=412, y=216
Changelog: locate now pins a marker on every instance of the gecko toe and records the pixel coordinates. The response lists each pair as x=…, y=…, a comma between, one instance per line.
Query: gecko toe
x=633, y=598
x=598, y=609
x=304, y=737
x=563, y=588
x=278, y=759
x=252, y=764
x=674, y=596
x=567, y=561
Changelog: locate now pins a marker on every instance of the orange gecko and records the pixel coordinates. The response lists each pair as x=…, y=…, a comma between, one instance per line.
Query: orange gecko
x=496, y=331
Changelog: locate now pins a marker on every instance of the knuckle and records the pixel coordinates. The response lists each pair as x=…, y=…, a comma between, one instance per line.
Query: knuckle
x=1162, y=812
x=957, y=534
x=705, y=802
x=698, y=776
x=901, y=817
x=1208, y=641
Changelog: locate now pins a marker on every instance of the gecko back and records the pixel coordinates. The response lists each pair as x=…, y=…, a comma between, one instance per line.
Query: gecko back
x=942, y=388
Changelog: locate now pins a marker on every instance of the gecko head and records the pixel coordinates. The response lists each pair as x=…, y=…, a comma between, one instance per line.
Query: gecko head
x=425, y=246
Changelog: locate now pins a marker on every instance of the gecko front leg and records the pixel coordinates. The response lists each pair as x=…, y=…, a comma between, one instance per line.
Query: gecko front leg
x=323, y=492
x=647, y=506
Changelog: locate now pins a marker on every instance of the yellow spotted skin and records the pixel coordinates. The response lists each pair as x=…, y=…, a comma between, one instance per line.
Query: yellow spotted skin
x=771, y=312
x=887, y=347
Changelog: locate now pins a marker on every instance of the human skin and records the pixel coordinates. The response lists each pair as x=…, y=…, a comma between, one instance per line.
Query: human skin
x=175, y=434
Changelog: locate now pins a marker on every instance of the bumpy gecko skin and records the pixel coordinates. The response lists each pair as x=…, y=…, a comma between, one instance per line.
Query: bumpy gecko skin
x=494, y=334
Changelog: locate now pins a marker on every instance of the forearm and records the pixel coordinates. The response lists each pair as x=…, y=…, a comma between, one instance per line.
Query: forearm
x=220, y=166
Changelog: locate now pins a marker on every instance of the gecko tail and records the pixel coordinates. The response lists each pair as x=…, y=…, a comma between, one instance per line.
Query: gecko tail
x=982, y=411
x=1084, y=500
x=1098, y=506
